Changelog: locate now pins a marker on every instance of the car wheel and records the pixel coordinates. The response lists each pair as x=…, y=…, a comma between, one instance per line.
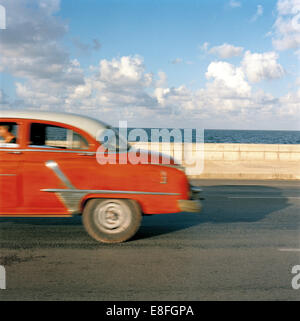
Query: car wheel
x=112, y=220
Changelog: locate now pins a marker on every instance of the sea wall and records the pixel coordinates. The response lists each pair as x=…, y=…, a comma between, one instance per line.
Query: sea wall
x=232, y=161
x=235, y=161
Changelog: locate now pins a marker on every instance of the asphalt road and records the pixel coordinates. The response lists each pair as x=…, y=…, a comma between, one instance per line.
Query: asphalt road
x=241, y=247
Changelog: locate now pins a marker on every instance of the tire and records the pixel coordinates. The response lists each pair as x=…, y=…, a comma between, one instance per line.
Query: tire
x=112, y=220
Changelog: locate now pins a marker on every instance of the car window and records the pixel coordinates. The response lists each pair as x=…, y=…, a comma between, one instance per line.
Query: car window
x=8, y=134
x=78, y=142
x=49, y=136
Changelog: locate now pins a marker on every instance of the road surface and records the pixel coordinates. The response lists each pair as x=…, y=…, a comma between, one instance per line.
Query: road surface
x=241, y=247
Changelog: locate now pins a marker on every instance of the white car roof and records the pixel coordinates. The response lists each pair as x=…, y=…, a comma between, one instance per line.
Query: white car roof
x=90, y=125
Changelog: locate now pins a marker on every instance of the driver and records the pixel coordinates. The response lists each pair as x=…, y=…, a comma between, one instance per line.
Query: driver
x=6, y=134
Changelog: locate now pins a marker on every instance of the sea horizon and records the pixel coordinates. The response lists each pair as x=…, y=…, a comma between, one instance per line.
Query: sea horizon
x=242, y=136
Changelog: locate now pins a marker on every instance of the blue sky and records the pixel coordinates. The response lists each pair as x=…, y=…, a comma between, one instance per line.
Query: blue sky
x=162, y=31
x=216, y=64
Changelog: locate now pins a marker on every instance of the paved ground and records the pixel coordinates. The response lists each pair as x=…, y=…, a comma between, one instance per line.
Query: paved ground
x=241, y=247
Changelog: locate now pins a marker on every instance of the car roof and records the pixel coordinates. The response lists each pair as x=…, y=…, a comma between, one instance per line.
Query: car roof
x=90, y=125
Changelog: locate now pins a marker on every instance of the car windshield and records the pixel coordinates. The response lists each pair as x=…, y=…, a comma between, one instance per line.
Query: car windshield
x=113, y=142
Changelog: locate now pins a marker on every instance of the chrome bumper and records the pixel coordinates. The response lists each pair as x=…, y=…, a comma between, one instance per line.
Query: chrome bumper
x=194, y=206
x=195, y=192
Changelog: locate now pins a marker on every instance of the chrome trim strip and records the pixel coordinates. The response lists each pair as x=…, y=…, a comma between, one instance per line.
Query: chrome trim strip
x=177, y=166
x=71, y=200
x=48, y=151
x=8, y=174
x=101, y=191
x=55, y=168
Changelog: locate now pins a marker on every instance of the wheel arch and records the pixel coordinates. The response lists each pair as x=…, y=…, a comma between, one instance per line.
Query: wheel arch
x=88, y=198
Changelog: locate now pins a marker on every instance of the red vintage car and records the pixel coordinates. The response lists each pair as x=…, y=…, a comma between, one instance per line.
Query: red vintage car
x=49, y=168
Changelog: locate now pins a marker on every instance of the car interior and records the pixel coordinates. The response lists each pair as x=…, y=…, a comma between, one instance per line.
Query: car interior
x=49, y=136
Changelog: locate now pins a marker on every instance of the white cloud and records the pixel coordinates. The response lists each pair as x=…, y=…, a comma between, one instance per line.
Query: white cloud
x=31, y=49
x=226, y=51
x=259, y=12
x=122, y=88
x=127, y=71
x=260, y=66
x=116, y=83
x=30, y=46
x=36, y=96
x=287, y=25
x=162, y=80
x=286, y=7
x=290, y=104
x=227, y=78
x=235, y=4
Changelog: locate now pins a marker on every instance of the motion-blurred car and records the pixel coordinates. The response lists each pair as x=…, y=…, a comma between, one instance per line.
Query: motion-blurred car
x=49, y=168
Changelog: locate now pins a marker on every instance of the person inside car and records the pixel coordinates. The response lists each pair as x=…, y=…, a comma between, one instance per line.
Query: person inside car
x=6, y=134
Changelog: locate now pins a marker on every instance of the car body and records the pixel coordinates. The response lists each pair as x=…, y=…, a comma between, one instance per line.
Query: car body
x=52, y=170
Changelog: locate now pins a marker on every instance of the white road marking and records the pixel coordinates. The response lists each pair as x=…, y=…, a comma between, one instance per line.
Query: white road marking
x=264, y=197
x=289, y=250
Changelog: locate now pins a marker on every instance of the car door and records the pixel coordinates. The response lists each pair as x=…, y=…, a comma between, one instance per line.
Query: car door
x=48, y=142
x=11, y=163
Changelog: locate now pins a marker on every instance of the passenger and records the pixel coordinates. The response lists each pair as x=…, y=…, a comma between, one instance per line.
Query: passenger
x=6, y=134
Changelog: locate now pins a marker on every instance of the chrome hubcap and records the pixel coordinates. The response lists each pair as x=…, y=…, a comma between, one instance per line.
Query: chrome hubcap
x=112, y=216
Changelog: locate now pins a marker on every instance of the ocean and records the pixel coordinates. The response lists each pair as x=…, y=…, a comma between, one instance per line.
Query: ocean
x=245, y=136
x=225, y=136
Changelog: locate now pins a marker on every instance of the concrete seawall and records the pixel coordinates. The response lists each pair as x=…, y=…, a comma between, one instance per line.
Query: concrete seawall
x=237, y=161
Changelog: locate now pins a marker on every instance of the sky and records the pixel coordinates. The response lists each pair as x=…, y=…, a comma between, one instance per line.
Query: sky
x=218, y=64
